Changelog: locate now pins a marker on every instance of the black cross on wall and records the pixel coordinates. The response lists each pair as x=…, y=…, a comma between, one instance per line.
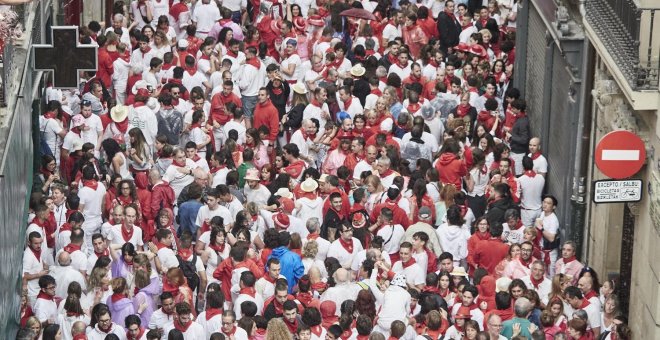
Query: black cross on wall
x=66, y=57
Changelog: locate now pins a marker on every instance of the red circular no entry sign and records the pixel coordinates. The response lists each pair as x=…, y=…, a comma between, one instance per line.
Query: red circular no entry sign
x=620, y=154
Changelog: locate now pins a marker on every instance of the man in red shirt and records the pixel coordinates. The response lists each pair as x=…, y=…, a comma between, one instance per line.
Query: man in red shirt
x=266, y=114
x=489, y=253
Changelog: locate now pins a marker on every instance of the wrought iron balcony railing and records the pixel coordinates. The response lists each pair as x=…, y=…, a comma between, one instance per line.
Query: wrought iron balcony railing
x=627, y=31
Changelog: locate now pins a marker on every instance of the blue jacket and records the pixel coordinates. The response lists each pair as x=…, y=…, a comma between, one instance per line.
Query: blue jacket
x=187, y=215
x=291, y=264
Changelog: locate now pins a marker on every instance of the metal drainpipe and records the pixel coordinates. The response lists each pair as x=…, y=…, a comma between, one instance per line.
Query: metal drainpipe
x=581, y=188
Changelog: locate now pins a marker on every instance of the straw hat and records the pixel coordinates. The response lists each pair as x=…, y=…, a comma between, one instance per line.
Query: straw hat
x=119, y=113
x=299, y=88
x=252, y=175
x=358, y=70
x=309, y=185
x=459, y=271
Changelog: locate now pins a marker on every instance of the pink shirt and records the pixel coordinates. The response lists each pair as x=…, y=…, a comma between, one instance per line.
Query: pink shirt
x=571, y=269
x=516, y=270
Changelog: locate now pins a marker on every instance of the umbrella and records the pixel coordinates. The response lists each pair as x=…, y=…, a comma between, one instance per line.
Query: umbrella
x=358, y=13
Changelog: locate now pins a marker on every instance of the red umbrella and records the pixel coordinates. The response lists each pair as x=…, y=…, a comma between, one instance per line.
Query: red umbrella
x=358, y=13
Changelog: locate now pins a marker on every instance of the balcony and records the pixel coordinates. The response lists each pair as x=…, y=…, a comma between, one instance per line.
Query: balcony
x=630, y=35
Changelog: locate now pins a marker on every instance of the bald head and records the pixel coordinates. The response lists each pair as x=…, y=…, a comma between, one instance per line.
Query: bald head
x=341, y=276
x=78, y=327
x=534, y=145
x=154, y=175
x=585, y=283
x=64, y=259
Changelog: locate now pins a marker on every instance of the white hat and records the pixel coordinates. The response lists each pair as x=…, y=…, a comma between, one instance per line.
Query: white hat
x=386, y=124
x=399, y=280
x=252, y=175
x=284, y=192
x=183, y=43
x=299, y=88
x=119, y=113
x=502, y=284
x=77, y=120
x=140, y=84
x=309, y=185
x=358, y=70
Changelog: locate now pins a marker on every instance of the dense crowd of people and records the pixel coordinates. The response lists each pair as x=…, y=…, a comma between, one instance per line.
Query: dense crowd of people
x=303, y=170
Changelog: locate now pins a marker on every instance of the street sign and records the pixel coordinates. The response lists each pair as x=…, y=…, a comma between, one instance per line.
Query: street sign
x=620, y=154
x=613, y=191
x=66, y=57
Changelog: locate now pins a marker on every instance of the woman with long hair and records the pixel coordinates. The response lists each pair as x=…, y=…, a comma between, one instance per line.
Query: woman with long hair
x=292, y=121
x=53, y=125
x=419, y=199
x=514, y=253
x=470, y=330
x=126, y=195
x=253, y=141
x=46, y=175
x=122, y=261
x=139, y=154
x=161, y=44
x=480, y=232
x=309, y=260
x=559, y=283
x=446, y=200
x=119, y=303
x=476, y=182
x=610, y=311
x=115, y=160
x=147, y=290
x=446, y=288
x=175, y=282
x=225, y=35
x=72, y=312
x=277, y=330
x=377, y=193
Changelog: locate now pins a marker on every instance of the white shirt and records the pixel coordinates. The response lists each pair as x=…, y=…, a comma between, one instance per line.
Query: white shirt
x=428, y=139
x=179, y=180
x=205, y=213
x=323, y=246
x=95, y=126
x=32, y=265
x=96, y=334
x=392, y=236
x=45, y=310
x=345, y=258
x=234, y=125
x=205, y=15
x=531, y=191
x=403, y=73
x=210, y=326
x=354, y=109
x=251, y=79
x=194, y=332
x=93, y=202
x=64, y=276
x=159, y=318
x=543, y=290
x=390, y=32
x=167, y=258
x=293, y=59
x=257, y=299
x=259, y=195
x=115, y=236
x=414, y=273
x=540, y=164
x=220, y=177
x=513, y=236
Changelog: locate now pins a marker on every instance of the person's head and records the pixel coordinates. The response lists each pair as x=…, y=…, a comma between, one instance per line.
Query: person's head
x=522, y=308
x=281, y=291
x=494, y=325
x=469, y=295
x=47, y=285
x=346, y=231
x=526, y=250
x=290, y=309
x=228, y=321
x=577, y=328
x=405, y=251
x=446, y=260
x=517, y=288
x=538, y=270
x=568, y=250
x=573, y=296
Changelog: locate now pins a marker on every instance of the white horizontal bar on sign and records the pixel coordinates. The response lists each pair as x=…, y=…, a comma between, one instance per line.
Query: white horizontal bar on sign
x=620, y=155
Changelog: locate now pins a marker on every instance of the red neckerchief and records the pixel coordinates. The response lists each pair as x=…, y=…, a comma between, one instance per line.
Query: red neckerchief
x=317, y=330
x=232, y=332
x=386, y=173
x=277, y=91
x=122, y=126
x=377, y=92
x=50, y=115
x=347, y=103
x=92, y=184
x=591, y=294
x=362, y=337
x=312, y=236
x=195, y=125
x=305, y=298
x=536, y=155
x=403, y=67
x=392, y=59
x=482, y=236
x=412, y=108
x=348, y=245
x=185, y=253
x=191, y=70
x=530, y=173
x=254, y=62
x=65, y=227
x=305, y=135
x=76, y=130
x=176, y=163
x=536, y=283
x=127, y=235
x=347, y=334
x=462, y=110
x=569, y=260
x=106, y=330
x=232, y=53
x=70, y=248
x=315, y=103
x=319, y=286
x=585, y=304
x=116, y=297
x=160, y=246
x=211, y=312
x=215, y=169
x=80, y=337
x=409, y=263
x=248, y=291
x=43, y=295
x=124, y=200
x=292, y=326
x=106, y=252
x=204, y=57
x=196, y=158
x=129, y=336
x=338, y=62
x=431, y=289
x=217, y=248
x=526, y=263
x=182, y=328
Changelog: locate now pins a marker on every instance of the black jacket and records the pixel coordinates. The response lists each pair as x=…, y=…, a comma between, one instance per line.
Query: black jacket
x=450, y=30
x=496, y=210
x=519, y=142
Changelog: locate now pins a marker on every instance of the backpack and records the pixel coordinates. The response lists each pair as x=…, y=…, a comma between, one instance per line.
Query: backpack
x=44, y=148
x=189, y=271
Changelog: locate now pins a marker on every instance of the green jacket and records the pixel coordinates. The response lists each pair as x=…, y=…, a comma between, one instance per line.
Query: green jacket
x=507, y=327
